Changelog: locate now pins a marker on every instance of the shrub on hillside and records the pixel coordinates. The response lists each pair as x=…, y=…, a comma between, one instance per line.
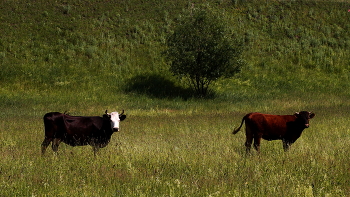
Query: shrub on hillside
x=201, y=49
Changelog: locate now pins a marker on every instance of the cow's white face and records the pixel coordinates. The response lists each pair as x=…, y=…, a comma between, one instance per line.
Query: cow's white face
x=115, y=119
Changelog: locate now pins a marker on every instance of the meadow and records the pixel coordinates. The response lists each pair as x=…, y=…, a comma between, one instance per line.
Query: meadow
x=87, y=56
x=180, y=153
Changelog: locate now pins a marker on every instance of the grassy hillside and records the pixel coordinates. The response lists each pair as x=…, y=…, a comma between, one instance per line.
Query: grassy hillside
x=87, y=45
x=96, y=54
x=86, y=56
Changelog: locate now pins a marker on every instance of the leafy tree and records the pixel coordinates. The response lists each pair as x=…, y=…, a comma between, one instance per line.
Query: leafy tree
x=201, y=49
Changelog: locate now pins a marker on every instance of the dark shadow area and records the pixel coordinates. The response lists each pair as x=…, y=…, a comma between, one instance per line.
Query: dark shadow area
x=156, y=86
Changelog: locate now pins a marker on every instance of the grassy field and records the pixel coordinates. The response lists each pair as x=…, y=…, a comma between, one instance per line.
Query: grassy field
x=179, y=153
x=88, y=56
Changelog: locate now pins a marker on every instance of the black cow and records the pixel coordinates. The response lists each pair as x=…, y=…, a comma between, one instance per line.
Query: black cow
x=287, y=128
x=80, y=130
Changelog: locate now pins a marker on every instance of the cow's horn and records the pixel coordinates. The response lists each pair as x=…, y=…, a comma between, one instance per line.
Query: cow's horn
x=122, y=112
x=106, y=111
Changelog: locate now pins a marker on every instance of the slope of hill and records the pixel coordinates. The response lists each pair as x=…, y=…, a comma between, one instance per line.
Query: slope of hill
x=103, y=47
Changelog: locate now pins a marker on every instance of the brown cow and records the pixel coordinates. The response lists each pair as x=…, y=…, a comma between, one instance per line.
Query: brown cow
x=287, y=128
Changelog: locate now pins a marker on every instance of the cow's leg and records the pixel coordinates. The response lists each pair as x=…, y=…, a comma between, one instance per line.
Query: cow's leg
x=45, y=144
x=248, y=144
x=56, y=142
x=249, y=139
x=257, y=140
x=95, y=148
x=286, y=145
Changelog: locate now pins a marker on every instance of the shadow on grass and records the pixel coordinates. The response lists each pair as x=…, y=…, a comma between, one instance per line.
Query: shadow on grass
x=156, y=86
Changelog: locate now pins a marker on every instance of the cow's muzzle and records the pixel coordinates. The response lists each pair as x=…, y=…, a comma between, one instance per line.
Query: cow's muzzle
x=115, y=129
x=307, y=125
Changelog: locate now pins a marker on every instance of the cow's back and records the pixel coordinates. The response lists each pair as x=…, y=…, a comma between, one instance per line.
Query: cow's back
x=270, y=127
x=89, y=124
x=84, y=130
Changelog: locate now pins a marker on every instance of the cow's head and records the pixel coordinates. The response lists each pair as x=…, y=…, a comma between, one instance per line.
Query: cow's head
x=115, y=118
x=304, y=117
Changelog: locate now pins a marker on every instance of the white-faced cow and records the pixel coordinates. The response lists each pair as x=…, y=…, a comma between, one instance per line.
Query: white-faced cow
x=80, y=130
x=287, y=128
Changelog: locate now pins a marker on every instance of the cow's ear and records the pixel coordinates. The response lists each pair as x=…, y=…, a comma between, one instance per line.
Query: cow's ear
x=312, y=115
x=122, y=117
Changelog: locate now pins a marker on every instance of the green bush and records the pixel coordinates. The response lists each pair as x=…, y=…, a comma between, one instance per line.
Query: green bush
x=201, y=50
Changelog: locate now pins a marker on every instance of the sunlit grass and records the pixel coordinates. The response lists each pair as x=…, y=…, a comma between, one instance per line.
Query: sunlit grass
x=183, y=154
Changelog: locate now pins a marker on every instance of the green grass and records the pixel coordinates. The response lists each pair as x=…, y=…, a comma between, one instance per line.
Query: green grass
x=88, y=56
x=178, y=154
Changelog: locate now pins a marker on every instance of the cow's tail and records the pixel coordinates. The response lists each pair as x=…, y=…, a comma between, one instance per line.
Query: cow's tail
x=237, y=129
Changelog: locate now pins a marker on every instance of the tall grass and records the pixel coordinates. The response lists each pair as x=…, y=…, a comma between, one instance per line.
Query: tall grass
x=178, y=154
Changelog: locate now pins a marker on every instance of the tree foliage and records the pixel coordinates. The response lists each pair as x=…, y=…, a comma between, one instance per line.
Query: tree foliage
x=202, y=50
